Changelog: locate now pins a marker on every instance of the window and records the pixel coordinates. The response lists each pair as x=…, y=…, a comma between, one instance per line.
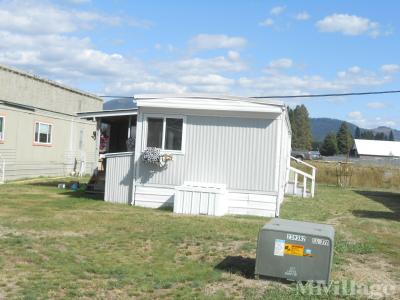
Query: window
x=2, y=119
x=154, y=132
x=43, y=133
x=165, y=133
x=173, y=134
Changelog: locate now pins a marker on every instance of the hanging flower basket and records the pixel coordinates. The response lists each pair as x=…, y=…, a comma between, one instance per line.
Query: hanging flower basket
x=153, y=156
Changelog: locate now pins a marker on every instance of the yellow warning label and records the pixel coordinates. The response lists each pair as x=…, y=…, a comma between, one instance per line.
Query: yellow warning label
x=294, y=249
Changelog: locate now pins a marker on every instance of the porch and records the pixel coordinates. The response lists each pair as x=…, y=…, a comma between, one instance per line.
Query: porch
x=115, y=137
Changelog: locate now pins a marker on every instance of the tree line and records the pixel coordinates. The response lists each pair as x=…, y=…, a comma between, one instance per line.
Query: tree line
x=340, y=142
x=369, y=135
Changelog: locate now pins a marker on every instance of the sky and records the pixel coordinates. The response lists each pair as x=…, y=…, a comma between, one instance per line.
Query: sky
x=243, y=48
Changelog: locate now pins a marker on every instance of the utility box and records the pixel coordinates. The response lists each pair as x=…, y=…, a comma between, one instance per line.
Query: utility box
x=296, y=251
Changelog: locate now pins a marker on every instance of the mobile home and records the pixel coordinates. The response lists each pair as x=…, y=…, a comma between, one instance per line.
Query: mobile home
x=40, y=133
x=200, y=154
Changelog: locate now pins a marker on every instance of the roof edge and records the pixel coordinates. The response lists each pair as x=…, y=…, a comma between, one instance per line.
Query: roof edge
x=208, y=96
x=48, y=81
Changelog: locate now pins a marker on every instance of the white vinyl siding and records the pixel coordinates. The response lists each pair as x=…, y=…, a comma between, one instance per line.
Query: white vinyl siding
x=238, y=152
x=43, y=133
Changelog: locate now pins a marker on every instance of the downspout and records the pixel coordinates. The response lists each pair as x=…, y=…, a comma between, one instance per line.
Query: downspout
x=138, y=145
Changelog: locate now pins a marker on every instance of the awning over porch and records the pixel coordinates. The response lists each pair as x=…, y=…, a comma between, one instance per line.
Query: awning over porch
x=91, y=115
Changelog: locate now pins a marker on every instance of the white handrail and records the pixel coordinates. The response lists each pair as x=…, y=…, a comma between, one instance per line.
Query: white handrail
x=305, y=175
x=302, y=162
x=301, y=172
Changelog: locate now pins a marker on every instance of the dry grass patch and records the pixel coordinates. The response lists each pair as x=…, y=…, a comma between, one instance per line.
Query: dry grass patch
x=59, y=244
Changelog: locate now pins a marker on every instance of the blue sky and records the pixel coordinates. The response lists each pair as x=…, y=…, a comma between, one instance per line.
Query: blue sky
x=248, y=48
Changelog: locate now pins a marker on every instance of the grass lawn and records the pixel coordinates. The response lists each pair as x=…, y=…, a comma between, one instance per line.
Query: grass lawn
x=60, y=244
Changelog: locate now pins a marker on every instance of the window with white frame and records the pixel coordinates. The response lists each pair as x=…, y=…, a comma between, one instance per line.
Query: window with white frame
x=43, y=133
x=165, y=133
x=2, y=120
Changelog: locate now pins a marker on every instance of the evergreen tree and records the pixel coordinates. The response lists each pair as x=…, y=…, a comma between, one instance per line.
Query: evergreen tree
x=367, y=135
x=357, y=133
x=301, y=128
x=391, y=136
x=344, y=139
x=380, y=136
x=293, y=126
x=329, y=146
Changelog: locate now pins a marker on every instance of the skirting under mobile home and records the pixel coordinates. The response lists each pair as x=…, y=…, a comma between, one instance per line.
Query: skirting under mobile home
x=229, y=155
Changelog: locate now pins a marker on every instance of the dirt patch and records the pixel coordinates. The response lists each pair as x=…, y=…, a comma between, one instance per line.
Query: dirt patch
x=371, y=270
x=235, y=286
x=208, y=252
x=11, y=279
x=5, y=231
x=339, y=223
x=8, y=232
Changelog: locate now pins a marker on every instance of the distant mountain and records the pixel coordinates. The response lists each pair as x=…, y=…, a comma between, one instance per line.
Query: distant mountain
x=320, y=127
x=386, y=131
x=119, y=103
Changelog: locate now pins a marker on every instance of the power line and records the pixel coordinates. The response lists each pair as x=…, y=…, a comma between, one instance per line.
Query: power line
x=296, y=96
x=106, y=96
x=328, y=95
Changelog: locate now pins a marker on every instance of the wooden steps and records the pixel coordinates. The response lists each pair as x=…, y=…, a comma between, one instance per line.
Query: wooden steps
x=97, y=183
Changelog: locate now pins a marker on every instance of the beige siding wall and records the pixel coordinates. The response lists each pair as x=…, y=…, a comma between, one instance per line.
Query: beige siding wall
x=25, y=159
x=55, y=105
x=29, y=90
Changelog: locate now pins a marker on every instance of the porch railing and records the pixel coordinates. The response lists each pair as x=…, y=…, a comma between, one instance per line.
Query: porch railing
x=303, y=189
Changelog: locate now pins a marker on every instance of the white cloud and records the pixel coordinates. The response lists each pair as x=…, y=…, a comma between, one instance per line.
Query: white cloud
x=391, y=124
x=302, y=16
x=360, y=120
x=282, y=63
x=39, y=18
x=210, y=79
x=39, y=39
x=282, y=84
x=267, y=22
x=348, y=25
x=66, y=55
x=144, y=86
x=209, y=83
x=233, y=55
x=376, y=105
x=79, y=1
x=356, y=115
x=355, y=76
x=357, y=118
x=354, y=69
x=197, y=65
x=277, y=10
x=216, y=41
x=278, y=83
x=390, y=68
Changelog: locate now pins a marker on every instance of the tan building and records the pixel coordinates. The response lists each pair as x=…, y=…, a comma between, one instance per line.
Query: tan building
x=40, y=134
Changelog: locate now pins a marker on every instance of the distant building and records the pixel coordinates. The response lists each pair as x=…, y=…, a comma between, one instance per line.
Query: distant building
x=374, y=148
x=40, y=134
